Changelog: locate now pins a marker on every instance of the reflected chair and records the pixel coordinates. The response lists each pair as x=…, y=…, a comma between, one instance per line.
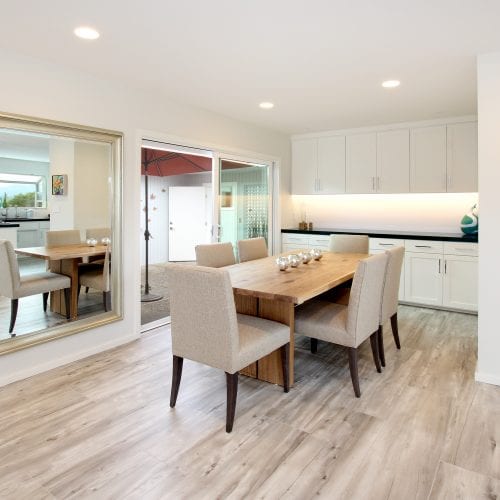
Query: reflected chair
x=348, y=243
x=99, y=279
x=349, y=325
x=15, y=287
x=215, y=255
x=66, y=237
x=207, y=329
x=389, y=307
x=252, y=249
x=94, y=263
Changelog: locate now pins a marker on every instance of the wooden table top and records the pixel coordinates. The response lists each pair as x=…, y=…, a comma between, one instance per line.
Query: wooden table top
x=62, y=252
x=262, y=278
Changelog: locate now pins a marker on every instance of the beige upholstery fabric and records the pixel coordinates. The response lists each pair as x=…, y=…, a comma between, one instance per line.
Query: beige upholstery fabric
x=67, y=237
x=349, y=243
x=254, y=248
x=215, y=255
x=347, y=325
x=98, y=233
x=98, y=279
x=389, y=307
x=14, y=287
x=205, y=326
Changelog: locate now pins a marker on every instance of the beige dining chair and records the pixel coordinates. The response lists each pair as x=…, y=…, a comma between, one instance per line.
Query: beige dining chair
x=349, y=325
x=206, y=328
x=389, y=306
x=348, y=243
x=215, y=255
x=94, y=263
x=252, y=249
x=65, y=237
x=14, y=286
x=99, y=279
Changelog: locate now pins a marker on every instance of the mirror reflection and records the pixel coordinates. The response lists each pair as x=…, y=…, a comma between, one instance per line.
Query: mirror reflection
x=56, y=219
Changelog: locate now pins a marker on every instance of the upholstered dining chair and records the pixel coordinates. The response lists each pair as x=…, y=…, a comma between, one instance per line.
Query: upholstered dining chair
x=65, y=237
x=99, y=279
x=349, y=325
x=94, y=263
x=349, y=243
x=252, y=249
x=15, y=287
x=215, y=255
x=207, y=329
x=389, y=306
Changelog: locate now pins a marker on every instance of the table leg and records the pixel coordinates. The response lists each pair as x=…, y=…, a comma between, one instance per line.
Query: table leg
x=68, y=267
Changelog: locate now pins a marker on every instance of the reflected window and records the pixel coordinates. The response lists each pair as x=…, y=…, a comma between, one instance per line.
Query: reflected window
x=19, y=190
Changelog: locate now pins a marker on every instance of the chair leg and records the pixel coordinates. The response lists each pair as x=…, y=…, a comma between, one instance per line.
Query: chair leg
x=285, y=363
x=176, y=379
x=86, y=289
x=45, y=300
x=67, y=302
x=314, y=345
x=395, y=332
x=106, y=300
x=353, y=368
x=232, y=392
x=375, y=351
x=380, y=338
x=14, y=303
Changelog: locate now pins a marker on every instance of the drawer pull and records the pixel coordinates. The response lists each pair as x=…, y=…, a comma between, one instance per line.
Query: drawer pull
x=386, y=244
x=423, y=246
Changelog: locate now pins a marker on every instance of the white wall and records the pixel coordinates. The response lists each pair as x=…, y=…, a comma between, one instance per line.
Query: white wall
x=36, y=88
x=488, y=367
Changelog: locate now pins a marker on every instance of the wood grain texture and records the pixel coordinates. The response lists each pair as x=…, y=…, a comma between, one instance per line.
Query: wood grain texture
x=102, y=427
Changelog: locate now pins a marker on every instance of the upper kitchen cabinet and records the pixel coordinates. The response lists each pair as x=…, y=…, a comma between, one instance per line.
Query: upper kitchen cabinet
x=361, y=163
x=428, y=159
x=462, y=157
x=393, y=161
x=318, y=165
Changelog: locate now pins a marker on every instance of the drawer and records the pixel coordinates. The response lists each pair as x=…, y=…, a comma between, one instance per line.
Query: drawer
x=45, y=225
x=295, y=238
x=424, y=246
x=292, y=247
x=319, y=241
x=28, y=226
x=459, y=248
x=385, y=243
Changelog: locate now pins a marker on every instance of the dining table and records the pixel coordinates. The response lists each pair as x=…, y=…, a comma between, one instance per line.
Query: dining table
x=262, y=289
x=64, y=259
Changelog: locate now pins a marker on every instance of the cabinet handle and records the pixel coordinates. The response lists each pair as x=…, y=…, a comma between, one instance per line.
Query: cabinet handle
x=386, y=244
x=445, y=266
x=378, y=183
x=423, y=246
x=450, y=184
x=439, y=266
x=373, y=183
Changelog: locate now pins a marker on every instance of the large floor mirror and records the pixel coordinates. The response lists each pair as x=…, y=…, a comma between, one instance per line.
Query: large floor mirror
x=60, y=229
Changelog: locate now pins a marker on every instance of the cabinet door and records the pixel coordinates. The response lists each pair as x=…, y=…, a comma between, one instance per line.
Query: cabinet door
x=304, y=166
x=393, y=161
x=460, y=282
x=28, y=238
x=331, y=165
x=401, y=292
x=423, y=278
x=428, y=160
x=462, y=157
x=361, y=163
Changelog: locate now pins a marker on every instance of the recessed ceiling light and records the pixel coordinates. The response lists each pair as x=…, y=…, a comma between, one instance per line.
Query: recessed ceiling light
x=86, y=32
x=390, y=84
x=266, y=105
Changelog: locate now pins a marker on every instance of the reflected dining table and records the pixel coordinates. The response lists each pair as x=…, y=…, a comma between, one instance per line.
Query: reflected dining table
x=261, y=289
x=64, y=259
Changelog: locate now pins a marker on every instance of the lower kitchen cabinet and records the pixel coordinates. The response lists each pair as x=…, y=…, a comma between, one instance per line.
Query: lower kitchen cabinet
x=460, y=282
x=423, y=279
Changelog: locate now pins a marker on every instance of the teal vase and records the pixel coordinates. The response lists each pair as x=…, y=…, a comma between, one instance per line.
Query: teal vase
x=470, y=221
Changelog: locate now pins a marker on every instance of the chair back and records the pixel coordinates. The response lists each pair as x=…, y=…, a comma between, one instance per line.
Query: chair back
x=390, y=294
x=106, y=285
x=252, y=249
x=98, y=233
x=349, y=243
x=363, y=311
x=11, y=280
x=66, y=237
x=215, y=255
x=203, y=315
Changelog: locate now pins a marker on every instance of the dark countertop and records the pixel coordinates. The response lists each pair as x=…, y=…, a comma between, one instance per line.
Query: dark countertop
x=24, y=219
x=8, y=224
x=387, y=233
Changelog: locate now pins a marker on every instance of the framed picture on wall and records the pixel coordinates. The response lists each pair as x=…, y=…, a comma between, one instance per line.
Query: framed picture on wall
x=59, y=185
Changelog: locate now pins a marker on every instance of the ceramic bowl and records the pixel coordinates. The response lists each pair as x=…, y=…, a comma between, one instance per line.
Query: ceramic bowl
x=316, y=253
x=91, y=242
x=305, y=256
x=282, y=263
x=294, y=260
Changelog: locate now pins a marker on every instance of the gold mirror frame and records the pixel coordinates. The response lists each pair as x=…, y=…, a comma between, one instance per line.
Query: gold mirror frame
x=115, y=140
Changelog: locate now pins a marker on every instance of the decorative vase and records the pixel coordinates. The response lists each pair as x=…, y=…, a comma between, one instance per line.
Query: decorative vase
x=470, y=221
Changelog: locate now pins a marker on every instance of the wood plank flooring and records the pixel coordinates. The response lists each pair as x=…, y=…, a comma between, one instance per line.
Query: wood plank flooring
x=102, y=427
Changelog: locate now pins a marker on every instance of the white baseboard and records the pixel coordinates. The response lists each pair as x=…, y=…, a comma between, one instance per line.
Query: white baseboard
x=56, y=362
x=487, y=378
x=155, y=324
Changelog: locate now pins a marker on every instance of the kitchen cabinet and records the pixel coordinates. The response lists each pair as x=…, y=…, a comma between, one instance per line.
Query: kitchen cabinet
x=10, y=234
x=428, y=159
x=31, y=234
x=295, y=241
x=304, y=166
x=361, y=163
x=461, y=162
x=423, y=280
x=393, y=161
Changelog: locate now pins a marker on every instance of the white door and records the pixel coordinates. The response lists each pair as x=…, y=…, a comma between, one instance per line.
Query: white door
x=331, y=165
x=304, y=166
x=462, y=157
x=187, y=222
x=393, y=161
x=460, y=282
x=428, y=159
x=423, y=278
x=361, y=163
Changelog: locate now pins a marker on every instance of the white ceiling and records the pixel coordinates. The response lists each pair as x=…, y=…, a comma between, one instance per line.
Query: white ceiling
x=24, y=146
x=321, y=62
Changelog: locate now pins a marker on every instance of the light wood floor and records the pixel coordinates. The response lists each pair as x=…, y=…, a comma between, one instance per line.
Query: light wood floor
x=102, y=428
